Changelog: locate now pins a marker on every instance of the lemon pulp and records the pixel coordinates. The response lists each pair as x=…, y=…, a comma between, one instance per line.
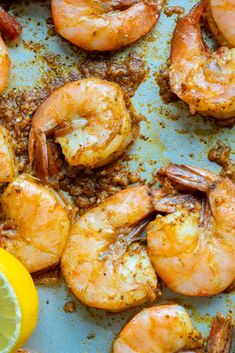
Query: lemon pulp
x=18, y=303
x=10, y=316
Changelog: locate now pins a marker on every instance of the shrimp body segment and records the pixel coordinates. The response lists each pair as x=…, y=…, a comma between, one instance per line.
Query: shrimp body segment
x=104, y=25
x=221, y=18
x=36, y=224
x=5, y=64
x=193, y=249
x=160, y=329
x=8, y=168
x=204, y=80
x=101, y=274
x=89, y=120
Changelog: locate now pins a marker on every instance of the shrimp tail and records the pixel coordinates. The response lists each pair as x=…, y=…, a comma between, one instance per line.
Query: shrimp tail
x=32, y=138
x=38, y=154
x=9, y=26
x=53, y=169
x=188, y=176
x=42, y=164
x=220, y=339
x=190, y=27
x=170, y=203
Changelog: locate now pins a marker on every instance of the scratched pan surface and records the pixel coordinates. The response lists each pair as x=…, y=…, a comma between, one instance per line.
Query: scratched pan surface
x=167, y=134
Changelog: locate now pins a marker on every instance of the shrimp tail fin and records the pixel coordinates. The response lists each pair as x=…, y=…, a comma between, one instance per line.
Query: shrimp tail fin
x=188, y=176
x=32, y=138
x=220, y=339
x=197, y=11
x=187, y=36
x=38, y=154
x=170, y=203
x=9, y=26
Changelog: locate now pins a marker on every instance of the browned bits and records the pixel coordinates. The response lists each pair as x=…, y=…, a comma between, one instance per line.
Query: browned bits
x=162, y=79
x=173, y=10
x=70, y=307
x=49, y=21
x=220, y=154
x=50, y=277
x=90, y=187
x=91, y=336
x=16, y=109
x=133, y=177
x=128, y=73
x=195, y=341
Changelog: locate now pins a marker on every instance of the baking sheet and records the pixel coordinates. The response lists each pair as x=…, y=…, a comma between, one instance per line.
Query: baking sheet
x=167, y=134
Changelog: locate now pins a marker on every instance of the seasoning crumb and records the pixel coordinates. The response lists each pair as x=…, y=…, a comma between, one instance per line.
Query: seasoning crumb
x=162, y=80
x=70, y=307
x=173, y=10
x=50, y=277
x=220, y=154
x=133, y=177
x=91, y=336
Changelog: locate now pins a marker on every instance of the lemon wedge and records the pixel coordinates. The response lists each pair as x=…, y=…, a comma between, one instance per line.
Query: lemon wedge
x=18, y=303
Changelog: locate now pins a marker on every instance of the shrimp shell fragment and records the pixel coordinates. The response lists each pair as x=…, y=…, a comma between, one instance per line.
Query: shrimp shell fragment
x=113, y=283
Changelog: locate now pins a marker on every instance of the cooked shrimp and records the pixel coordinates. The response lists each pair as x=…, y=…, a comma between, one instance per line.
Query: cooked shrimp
x=5, y=64
x=193, y=249
x=36, y=224
x=220, y=15
x=160, y=329
x=104, y=25
x=8, y=169
x=204, y=80
x=168, y=329
x=11, y=29
x=89, y=120
x=99, y=266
